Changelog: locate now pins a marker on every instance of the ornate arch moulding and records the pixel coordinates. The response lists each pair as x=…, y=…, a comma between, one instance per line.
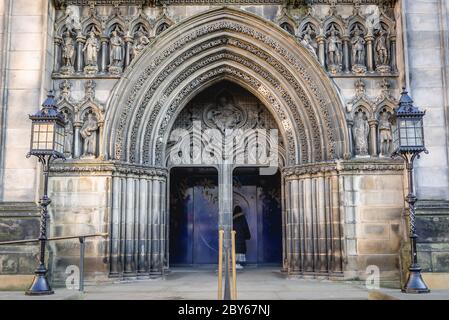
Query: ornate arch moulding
x=164, y=63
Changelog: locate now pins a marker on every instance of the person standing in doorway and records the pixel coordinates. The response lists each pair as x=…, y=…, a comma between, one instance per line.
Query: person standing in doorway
x=242, y=233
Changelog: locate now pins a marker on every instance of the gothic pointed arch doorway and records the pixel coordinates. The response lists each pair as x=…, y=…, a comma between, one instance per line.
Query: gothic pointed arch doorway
x=218, y=112
x=291, y=86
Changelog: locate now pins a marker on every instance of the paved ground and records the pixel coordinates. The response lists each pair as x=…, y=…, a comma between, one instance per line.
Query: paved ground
x=253, y=284
x=183, y=284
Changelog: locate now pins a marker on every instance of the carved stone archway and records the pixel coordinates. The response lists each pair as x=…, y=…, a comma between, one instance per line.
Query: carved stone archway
x=240, y=47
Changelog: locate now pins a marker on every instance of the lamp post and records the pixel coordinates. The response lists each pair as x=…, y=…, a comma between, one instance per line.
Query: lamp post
x=408, y=141
x=47, y=143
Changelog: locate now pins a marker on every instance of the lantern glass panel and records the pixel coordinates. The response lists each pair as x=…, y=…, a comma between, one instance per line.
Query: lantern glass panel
x=59, y=139
x=43, y=137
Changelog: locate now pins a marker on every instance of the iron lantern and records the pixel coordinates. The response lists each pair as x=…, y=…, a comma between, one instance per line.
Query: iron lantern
x=47, y=130
x=408, y=141
x=408, y=133
x=47, y=143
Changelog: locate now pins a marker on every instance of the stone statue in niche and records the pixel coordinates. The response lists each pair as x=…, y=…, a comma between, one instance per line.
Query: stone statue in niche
x=116, y=53
x=140, y=43
x=308, y=42
x=381, y=47
x=73, y=18
x=360, y=133
x=334, y=52
x=68, y=141
x=68, y=54
x=162, y=27
x=358, y=52
x=91, y=49
x=385, y=136
x=89, y=134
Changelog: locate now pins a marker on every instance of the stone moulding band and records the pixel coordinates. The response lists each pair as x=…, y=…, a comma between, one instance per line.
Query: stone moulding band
x=114, y=167
x=343, y=166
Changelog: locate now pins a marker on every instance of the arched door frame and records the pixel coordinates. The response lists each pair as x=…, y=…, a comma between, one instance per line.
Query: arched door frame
x=231, y=44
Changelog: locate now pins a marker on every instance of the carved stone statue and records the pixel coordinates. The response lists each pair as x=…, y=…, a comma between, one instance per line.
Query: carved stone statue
x=91, y=49
x=68, y=54
x=385, y=137
x=140, y=43
x=116, y=53
x=360, y=131
x=382, y=55
x=308, y=42
x=225, y=115
x=334, y=52
x=358, y=52
x=68, y=141
x=89, y=134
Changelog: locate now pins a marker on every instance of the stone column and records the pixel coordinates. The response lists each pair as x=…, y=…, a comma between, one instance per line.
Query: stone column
x=225, y=195
x=101, y=146
x=80, y=40
x=142, y=227
x=57, y=54
x=350, y=123
x=315, y=224
x=393, y=64
x=346, y=63
x=116, y=217
x=128, y=47
x=373, y=137
x=284, y=208
x=155, y=222
x=77, y=140
x=149, y=252
x=104, y=54
x=296, y=264
x=369, y=53
x=130, y=221
x=321, y=49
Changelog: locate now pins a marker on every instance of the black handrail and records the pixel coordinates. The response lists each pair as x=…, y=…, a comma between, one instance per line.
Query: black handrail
x=82, y=241
x=55, y=238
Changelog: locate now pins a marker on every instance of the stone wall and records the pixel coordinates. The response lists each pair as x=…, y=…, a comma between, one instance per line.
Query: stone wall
x=25, y=73
x=24, y=39
x=432, y=225
x=427, y=55
x=18, y=221
x=80, y=206
x=373, y=203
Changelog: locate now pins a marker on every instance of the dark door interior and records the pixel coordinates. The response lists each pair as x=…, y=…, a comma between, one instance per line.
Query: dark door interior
x=194, y=215
x=260, y=198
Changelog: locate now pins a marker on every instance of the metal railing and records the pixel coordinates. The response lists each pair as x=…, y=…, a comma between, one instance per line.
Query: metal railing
x=230, y=265
x=82, y=241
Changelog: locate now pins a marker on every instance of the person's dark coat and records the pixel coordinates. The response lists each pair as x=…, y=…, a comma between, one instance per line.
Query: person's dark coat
x=242, y=233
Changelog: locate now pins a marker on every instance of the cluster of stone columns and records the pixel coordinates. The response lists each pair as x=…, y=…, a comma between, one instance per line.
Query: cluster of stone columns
x=313, y=225
x=138, y=224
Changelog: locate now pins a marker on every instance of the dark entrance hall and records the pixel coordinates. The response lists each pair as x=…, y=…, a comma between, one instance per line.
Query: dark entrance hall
x=194, y=215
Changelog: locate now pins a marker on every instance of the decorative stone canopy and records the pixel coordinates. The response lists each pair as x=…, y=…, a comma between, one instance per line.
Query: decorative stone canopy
x=237, y=46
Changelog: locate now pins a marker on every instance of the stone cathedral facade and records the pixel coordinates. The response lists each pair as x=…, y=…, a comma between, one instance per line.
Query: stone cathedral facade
x=326, y=74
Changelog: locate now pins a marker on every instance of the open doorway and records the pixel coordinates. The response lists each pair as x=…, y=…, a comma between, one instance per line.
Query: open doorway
x=259, y=196
x=193, y=216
